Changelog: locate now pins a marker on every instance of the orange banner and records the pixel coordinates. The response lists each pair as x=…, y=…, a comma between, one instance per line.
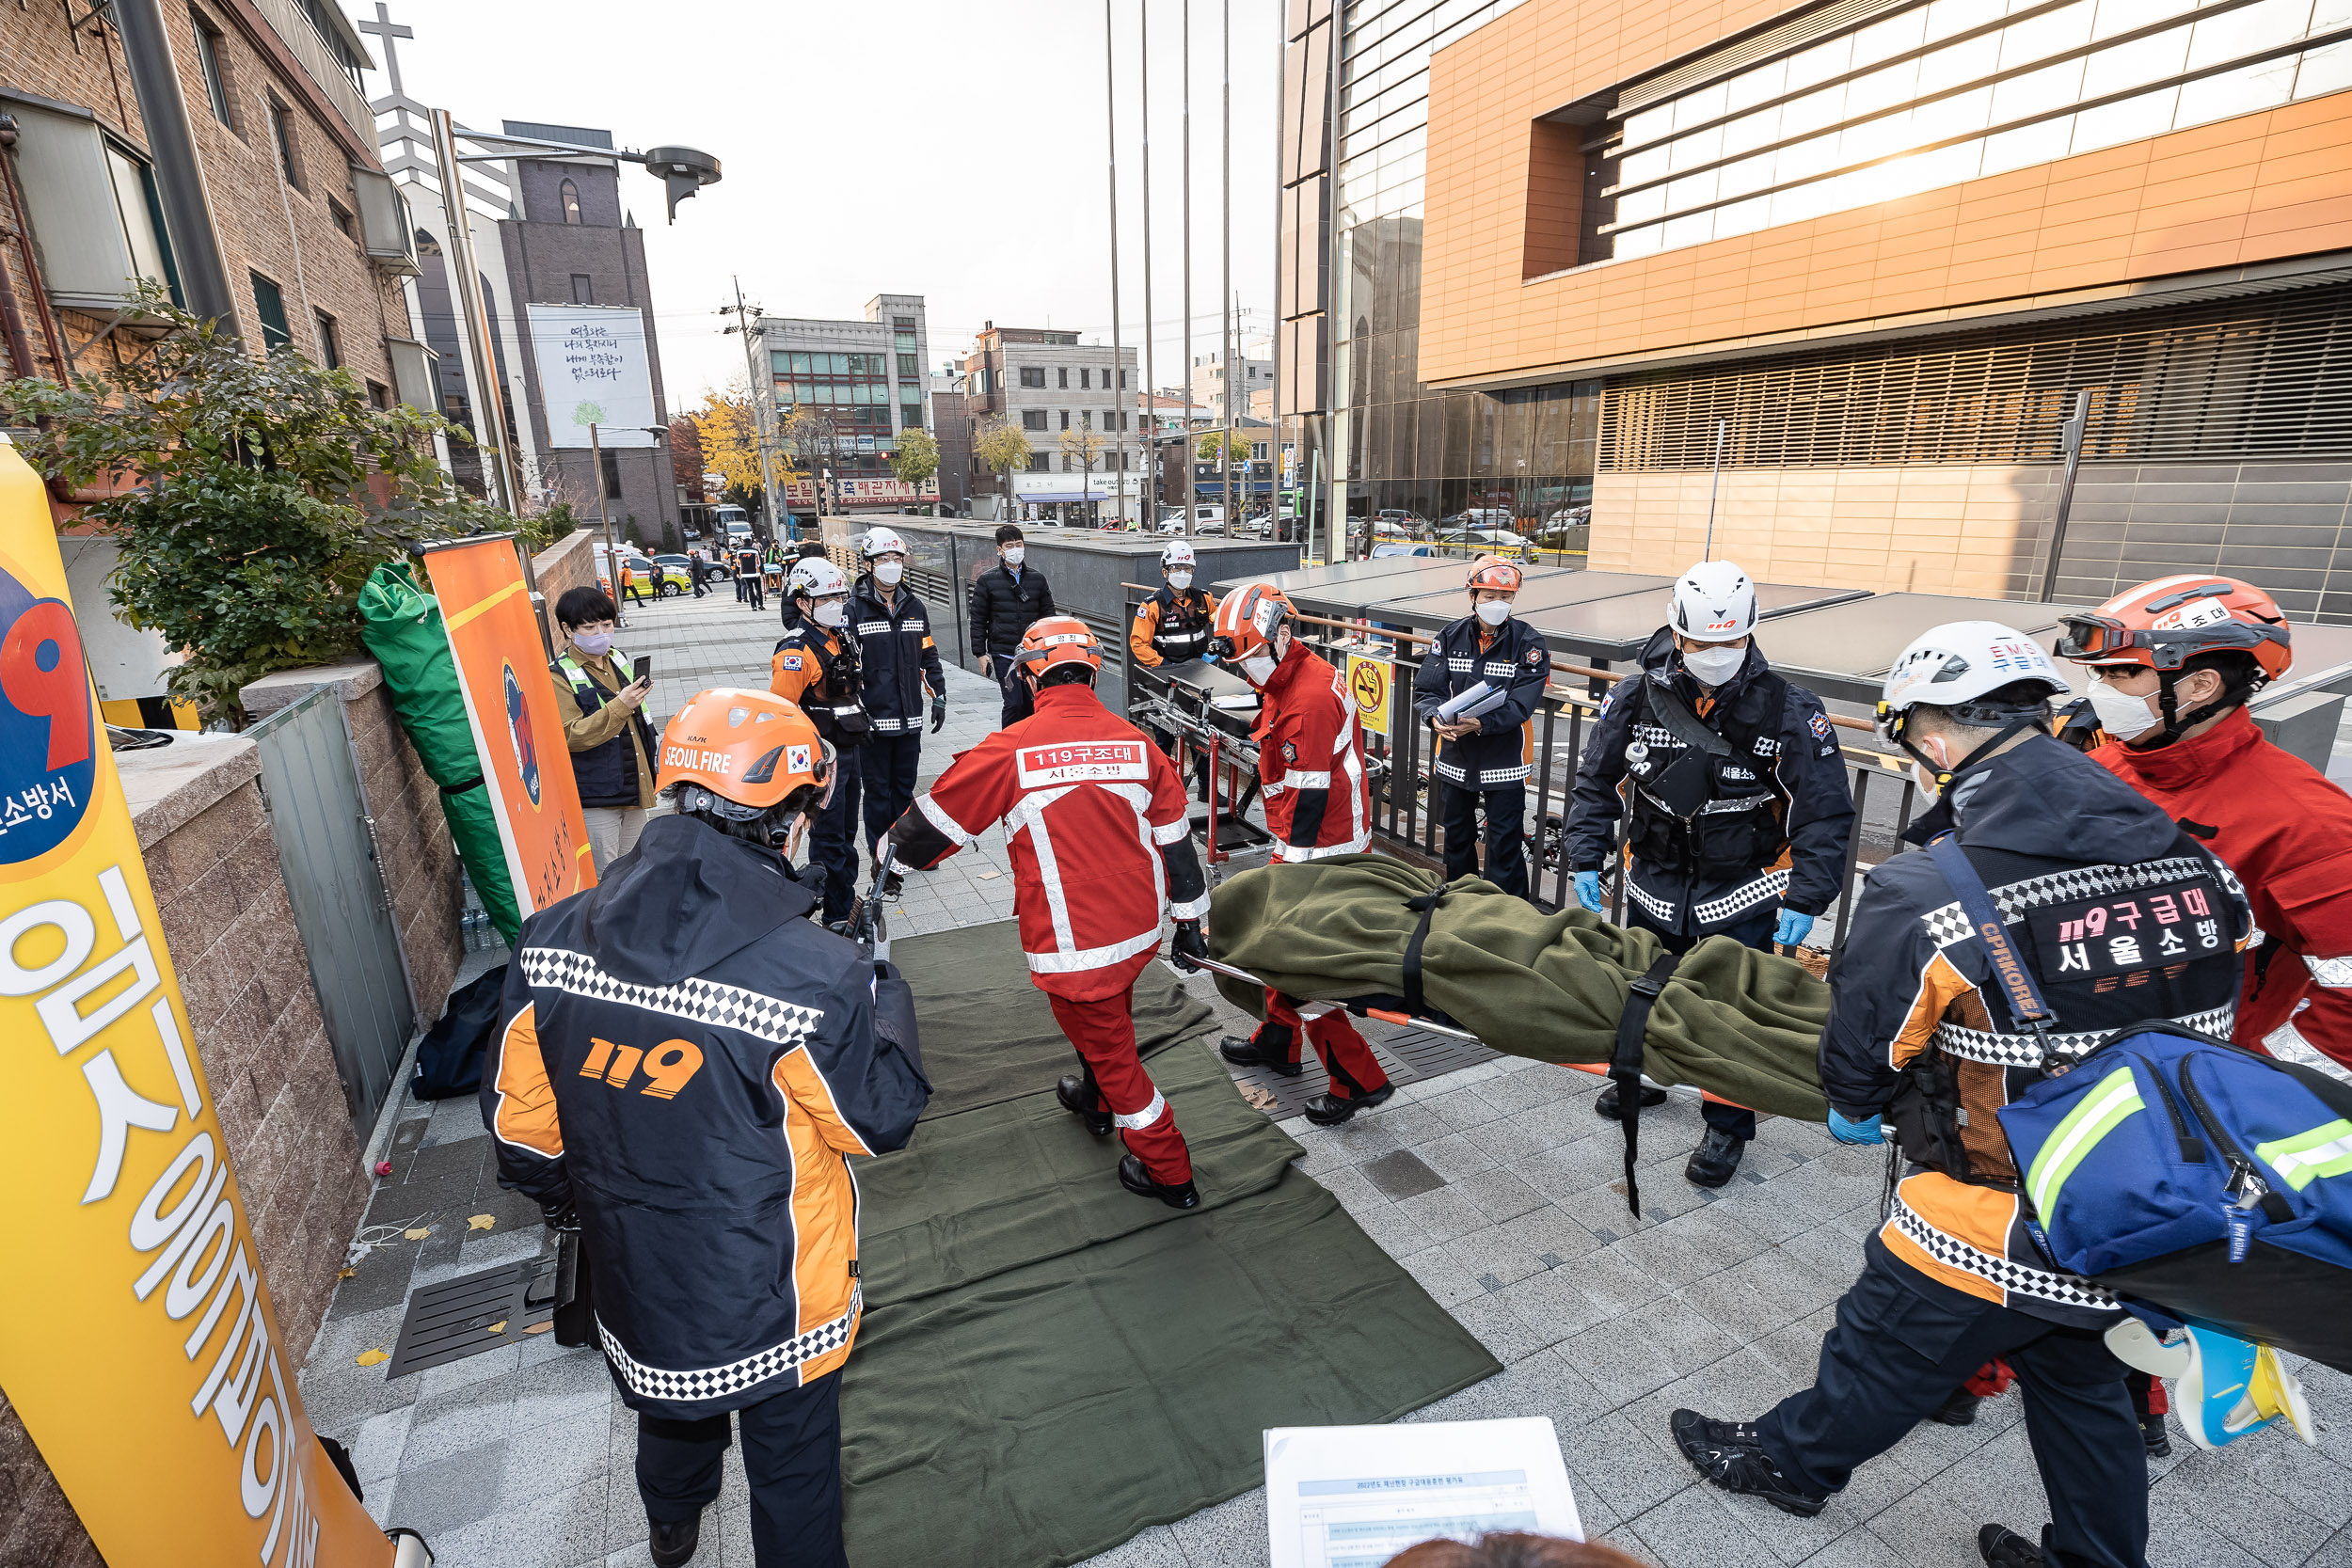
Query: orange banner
x=137, y=1341
x=510, y=699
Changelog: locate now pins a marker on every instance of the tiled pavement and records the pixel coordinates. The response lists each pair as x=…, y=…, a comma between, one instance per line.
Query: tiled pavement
x=1491, y=1185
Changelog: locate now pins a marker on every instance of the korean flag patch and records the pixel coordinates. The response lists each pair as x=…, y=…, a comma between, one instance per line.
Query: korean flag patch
x=791, y=661
x=796, y=759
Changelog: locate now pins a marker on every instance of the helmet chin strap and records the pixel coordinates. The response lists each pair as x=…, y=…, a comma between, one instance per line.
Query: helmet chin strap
x=1944, y=776
x=2176, y=723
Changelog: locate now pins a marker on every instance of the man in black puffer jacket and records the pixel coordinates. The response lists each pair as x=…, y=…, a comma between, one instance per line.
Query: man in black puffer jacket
x=1007, y=600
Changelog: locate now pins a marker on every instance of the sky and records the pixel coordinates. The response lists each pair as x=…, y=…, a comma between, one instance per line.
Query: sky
x=953, y=150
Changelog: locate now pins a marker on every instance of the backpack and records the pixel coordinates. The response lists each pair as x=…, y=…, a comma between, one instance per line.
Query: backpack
x=449, y=1058
x=2201, y=1178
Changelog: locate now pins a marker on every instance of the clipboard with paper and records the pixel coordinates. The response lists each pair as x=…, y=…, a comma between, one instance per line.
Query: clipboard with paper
x=1474, y=702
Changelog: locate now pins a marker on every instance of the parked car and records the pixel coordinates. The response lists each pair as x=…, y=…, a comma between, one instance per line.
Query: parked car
x=1410, y=525
x=1502, y=540
x=676, y=576
x=1404, y=546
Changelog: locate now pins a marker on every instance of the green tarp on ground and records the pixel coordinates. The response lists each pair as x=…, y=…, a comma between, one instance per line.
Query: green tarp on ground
x=1049, y=1364
x=1738, y=1022
x=1006, y=1042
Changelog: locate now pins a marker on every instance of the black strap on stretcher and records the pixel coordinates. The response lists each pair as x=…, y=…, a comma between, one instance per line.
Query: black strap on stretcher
x=1426, y=905
x=1625, y=1064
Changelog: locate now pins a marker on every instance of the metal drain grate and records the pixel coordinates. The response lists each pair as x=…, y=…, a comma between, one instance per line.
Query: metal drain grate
x=1408, y=1054
x=450, y=1321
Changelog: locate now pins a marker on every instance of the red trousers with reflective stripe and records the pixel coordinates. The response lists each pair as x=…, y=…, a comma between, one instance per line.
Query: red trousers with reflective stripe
x=1354, y=1069
x=1105, y=1033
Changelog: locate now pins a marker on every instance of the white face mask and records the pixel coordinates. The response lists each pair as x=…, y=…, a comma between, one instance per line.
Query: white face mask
x=1015, y=555
x=1713, y=666
x=887, y=573
x=1259, y=667
x=2121, y=713
x=1493, y=611
x=1180, y=580
x=832, y=613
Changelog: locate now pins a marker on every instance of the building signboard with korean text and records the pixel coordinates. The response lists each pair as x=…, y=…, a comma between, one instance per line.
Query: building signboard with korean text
x=593, y=369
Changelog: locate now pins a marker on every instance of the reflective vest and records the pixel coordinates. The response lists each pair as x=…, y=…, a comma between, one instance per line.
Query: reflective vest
x=606, y=774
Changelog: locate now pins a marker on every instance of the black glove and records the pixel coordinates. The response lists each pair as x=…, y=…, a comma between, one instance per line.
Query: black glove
x=560, y=1216
x=939, y=712
x=1186, y=946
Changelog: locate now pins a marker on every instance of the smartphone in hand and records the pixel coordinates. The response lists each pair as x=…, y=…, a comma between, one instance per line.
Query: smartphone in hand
x=642, y=667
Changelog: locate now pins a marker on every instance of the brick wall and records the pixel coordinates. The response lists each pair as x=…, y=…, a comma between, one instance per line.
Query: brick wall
x=569, y=562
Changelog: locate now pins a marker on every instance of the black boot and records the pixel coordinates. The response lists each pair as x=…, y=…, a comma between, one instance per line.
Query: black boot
x=2151, y=1434
x=1138, y=1180
x=1270, y=1047
x=1330, y=1110
x=1607, y=1104
x=1958, y=1408
x=1730, y=1455
x=672, y=1544
x=2003, y=1547
x=1716, y=1160
x=1081, y=1098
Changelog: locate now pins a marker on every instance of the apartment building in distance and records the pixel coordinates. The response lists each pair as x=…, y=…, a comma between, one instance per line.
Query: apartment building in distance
x=1044, y=381
x=1885, y=247
x=861, y=383
x=1253, y=374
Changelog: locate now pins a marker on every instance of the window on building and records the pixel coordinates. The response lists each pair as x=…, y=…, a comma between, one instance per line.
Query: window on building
x=910, y=365
x=583, y=289
x=1065, y=419
x=611, y=475
x=1033, y=375
x=1033, y=418
x=379, y=394
x=1040, y=463
x=270, y=304
x=904, y=324
x=903, y=342
x=341, y=218
x=330, y=346
x=909, y=416
x=1086, y=377
x=1122, y=381
x=282, y=133
x=1257, y=452
x=1086, y=418
x=1061, y=376
x=570, y=195
x=208, y=60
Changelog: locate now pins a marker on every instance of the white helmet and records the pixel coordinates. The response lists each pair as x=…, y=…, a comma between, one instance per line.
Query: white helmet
x=1178, y=554
x=880, y=541
x=817, y=578
x=1714, y=602
x=1954, y=666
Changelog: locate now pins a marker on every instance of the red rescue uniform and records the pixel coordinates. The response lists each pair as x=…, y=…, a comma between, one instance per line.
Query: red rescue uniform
x=1095, y=816
x=1318, y=802
x=2286, y=830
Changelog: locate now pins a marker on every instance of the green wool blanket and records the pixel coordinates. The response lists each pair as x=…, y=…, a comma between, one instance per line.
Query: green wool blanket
x=1735, y=1022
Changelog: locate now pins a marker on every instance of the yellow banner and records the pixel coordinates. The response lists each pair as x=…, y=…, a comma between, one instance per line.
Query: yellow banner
x=137, y=1336
x=1372, y=685
x=517, y=734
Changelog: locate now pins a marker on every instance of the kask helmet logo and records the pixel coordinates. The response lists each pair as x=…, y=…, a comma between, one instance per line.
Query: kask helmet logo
x=48, y=740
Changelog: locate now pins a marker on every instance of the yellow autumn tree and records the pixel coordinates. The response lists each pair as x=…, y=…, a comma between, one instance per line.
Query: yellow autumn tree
x=729, y=430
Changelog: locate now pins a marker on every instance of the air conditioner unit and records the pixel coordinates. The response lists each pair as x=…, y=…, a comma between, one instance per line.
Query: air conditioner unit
x=387, y=233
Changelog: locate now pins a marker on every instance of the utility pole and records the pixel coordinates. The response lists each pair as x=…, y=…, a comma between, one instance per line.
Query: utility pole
x=604, y=516
x=1118, y=359
x=1274, y=394
x=490, y=431
x=1189, y=458
x=1225, y=470
x=1150, y=380
x=779, y=525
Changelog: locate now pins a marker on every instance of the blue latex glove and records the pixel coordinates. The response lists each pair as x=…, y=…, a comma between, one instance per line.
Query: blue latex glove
x=1866, y=1131
x=1588, y=889
x=1792, y=927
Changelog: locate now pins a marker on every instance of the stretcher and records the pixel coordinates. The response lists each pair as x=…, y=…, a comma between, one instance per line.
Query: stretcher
x=1629, y=1105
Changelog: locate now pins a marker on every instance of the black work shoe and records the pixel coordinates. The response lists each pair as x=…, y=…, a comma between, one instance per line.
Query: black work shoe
x=1716, y=1158
x=673, y=1545
x=1138, y=1180
x=1607, y=1104
x=1730, y=1455
x=2151, y=1433
x=1079, y=1098
x=1330, y=1110
x=1246, y=1052
x=2003, y=1547
x=1958, y=1408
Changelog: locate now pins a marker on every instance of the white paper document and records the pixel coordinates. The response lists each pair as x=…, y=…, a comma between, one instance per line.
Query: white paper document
x=1475, y=703
x=1355, y=1496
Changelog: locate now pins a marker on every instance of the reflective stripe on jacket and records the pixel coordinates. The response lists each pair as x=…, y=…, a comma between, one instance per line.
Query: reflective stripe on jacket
x=1311, y=761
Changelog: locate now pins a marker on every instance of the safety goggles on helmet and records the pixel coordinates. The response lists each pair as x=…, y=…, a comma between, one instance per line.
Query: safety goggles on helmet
x=1248, y=620
x=2184, y=617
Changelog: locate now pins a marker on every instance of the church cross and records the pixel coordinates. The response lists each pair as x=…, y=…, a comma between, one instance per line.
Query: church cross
x=384, y=27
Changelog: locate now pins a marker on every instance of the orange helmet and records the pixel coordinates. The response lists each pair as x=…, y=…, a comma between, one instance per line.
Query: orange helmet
x=740, y=752
x=1057, y=639
x=1247, y=618
x=1493, y=572
x=2163, y=623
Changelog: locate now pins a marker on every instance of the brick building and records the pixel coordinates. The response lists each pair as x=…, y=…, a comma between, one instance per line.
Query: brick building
x=222, y=150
